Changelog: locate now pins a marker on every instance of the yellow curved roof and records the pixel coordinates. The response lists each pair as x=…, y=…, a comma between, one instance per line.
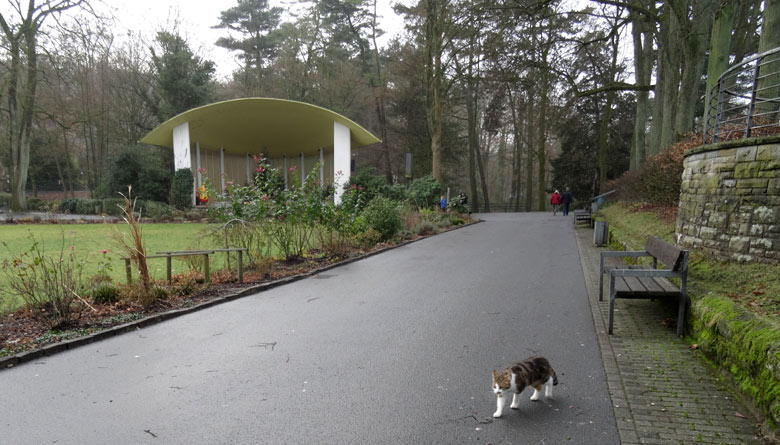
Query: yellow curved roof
x=260, y=125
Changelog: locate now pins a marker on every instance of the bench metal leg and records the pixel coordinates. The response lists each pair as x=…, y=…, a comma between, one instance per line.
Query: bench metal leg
x=206, y=272
x=240, y=267
x=168, y=268
x=611, y=303
x=601, y=278
x=681, y=314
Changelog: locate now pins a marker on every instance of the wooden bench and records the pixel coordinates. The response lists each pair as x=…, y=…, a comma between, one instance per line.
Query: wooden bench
x=206, y=270
x=583, y=216
x=645, y=282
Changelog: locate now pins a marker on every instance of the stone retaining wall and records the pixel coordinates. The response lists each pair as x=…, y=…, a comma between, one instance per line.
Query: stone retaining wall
x=730, y=200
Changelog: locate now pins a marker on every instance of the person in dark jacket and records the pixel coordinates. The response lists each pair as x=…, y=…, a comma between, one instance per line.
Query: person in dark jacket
x=566, y=201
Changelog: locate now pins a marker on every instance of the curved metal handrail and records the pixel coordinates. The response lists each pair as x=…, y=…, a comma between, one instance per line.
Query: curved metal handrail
x=744, y=98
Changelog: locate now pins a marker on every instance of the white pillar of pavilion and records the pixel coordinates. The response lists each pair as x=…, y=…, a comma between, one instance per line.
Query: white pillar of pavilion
x=222, y=172
x=342, y=158
x=181, y=151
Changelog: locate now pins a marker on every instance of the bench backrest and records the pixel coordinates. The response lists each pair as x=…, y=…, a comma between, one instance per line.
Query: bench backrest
x=673, y=257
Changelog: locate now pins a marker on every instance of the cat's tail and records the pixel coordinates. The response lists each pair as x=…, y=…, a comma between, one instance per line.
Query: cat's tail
x=554, y=376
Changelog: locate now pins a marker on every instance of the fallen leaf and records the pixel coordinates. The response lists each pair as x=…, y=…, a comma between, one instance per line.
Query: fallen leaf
x=740, y=415
x=694, y=346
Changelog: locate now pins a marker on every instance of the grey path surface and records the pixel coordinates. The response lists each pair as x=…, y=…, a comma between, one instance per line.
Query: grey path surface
x=396, y=348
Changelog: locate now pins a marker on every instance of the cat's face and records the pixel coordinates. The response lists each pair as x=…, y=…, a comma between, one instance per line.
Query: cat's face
x=501, y=382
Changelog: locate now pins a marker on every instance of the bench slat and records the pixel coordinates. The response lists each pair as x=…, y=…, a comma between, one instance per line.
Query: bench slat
x=667, y=285
x=634, y=285
x=670, y=255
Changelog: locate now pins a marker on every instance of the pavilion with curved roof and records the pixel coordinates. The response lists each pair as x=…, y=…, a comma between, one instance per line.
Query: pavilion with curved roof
x=223, y=138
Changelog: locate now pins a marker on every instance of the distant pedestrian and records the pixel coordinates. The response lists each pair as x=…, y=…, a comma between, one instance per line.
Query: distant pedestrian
x=566, y=201
x=443, y=203
x=555, y=200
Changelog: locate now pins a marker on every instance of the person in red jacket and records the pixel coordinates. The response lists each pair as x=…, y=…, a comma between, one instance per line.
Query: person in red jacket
x=555, y=201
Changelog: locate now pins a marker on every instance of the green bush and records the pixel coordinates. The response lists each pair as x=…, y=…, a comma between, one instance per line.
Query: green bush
x=425, y=228
x=155, y=210
x=5, y=200
x=105, y=293
x=457, y=221
x=424, y=192
x=87, y=206
x=68, y=205
x=383, y=215
x=113, y=206
x=142, y=168
x=181, y=189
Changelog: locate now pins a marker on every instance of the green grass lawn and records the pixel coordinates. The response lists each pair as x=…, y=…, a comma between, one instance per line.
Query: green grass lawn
x=89, y=240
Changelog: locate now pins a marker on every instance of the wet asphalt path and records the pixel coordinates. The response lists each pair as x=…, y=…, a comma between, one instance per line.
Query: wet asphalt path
x=395, y=348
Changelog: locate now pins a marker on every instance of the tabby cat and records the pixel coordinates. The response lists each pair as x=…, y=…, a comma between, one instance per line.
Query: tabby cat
x=533, y=372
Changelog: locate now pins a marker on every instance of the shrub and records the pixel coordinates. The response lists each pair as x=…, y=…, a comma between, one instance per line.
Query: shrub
x=156, y=210
x=181, y=189
x=382, y=215
x=424, y=192
x=87, y=206
x=425, y=228
x=68, y=205
x=457, y=221
x=47, y=284
x=37, y=204
x=142, y=168
x=105, y=293
x=5, y=200
x=368, y=239
x=113, y=206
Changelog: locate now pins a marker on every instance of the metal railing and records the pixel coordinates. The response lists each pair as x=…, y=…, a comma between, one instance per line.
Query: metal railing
x=745, y=100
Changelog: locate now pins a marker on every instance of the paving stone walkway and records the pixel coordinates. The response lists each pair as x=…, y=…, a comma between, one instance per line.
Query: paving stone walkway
x=661, y=392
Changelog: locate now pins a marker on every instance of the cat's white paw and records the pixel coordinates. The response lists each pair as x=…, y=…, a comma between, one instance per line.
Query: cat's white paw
x=535, y=396
x=515, y=406
x=497, y=414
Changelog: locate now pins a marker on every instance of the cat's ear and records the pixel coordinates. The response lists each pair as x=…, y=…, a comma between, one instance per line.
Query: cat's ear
x=495, y=373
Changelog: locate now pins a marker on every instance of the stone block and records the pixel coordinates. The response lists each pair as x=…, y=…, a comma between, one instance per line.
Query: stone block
x=694, y=158
x=752, y=182
x=770, y=165
x=718, y=220
x=724, y=167
x=739, y=244
x=745, y=170
x=708, y=233
x=756, y=230
x=766, y=215
x=768, y=152
x=727, y=154
x=761, y=243
x=746, y=154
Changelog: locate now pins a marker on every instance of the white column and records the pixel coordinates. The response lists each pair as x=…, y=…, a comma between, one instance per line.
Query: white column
x=222, y=168
x=303, y=172
x=181, y=146
x=248, y=169
x=284, y=167
x=341, y=159
x=322, y=169
x=197, y=161
x=181, y=150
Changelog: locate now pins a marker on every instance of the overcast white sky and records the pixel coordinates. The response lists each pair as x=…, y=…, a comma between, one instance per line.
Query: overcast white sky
x=198, y=16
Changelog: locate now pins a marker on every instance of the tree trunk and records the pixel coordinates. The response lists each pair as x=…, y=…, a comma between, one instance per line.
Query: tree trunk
x=471, y=109
x=643, y=67
x=529, y=160
x=541, y=188
x=696, y=32
x=720, y=51
x=767, y=87
x=433, y=76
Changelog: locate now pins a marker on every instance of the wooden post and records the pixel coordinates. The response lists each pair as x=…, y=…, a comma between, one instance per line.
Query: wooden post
x=168, y=268
x=128, y=271
x=240, y=266
x=206, y=273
